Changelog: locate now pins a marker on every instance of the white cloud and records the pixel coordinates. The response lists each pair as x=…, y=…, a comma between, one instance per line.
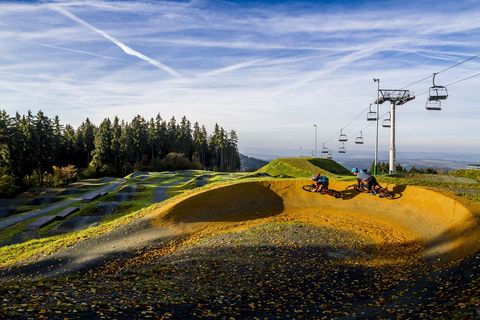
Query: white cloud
x=265, y=71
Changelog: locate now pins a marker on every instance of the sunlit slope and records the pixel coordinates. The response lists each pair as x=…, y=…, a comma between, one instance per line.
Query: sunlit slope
x=303, y=167
x=468, y=173
x=434, y=226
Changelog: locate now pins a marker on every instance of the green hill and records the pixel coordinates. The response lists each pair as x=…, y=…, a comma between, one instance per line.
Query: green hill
x=303, y=167
x=467, y=173
x=250, y=163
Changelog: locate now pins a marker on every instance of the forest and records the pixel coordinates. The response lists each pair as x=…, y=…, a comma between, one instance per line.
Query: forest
x=36, y=150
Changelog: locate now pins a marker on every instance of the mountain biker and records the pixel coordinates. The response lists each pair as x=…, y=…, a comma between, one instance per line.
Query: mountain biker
x=370, y=180
x=320, y=182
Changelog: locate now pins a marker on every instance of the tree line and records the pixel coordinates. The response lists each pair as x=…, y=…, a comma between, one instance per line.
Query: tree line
x=383, y=168
x=33, y=146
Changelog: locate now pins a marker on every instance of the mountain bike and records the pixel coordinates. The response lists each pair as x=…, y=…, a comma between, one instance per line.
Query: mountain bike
x=384, y=193
x=323, y=190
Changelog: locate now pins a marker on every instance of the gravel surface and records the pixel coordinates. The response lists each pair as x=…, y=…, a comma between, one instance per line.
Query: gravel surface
x=275, y=271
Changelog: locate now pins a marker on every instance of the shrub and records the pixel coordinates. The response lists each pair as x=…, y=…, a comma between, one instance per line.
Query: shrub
x=176, y=161
x=8, y=188
x=98, y=171
x=61, y=176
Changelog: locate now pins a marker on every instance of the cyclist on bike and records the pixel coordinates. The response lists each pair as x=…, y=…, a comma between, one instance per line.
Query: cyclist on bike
x=364, y=177
x=320, y=182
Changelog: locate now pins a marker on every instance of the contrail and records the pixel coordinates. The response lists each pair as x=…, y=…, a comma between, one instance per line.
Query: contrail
x=69, y=49
x=232, y=67
x=122, y=46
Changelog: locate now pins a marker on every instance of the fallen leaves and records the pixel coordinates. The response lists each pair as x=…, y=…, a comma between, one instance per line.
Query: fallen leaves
x=284, y=272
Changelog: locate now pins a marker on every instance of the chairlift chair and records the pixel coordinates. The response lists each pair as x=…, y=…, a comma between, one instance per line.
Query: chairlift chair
x=324, y=149
x=371, y=115
x=387, y=123
x=433, y=105
x=437, y=92
x=342, y=149
x=359, y=139
x=342, y=137
x=329, y=155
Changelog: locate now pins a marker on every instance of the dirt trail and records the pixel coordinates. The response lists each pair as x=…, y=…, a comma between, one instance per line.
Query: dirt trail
x=444, y=227
x=10, y=221
x=419, y=224
x=266, y=250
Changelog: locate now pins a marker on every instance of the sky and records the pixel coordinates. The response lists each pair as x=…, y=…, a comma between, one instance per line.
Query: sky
x=268, y=69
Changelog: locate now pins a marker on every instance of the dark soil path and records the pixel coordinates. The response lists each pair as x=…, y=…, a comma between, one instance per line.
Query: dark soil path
x=245, y=276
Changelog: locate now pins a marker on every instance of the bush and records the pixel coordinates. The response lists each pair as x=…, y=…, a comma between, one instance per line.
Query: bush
x=176, y=161
x=65, y=175
x=61, y=176
x=8, y=188
x=98, y=171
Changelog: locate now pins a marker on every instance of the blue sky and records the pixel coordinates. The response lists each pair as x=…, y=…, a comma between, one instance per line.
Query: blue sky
x=267, y=69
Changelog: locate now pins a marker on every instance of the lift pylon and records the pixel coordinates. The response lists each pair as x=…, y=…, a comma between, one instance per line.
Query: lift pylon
x=396, y=98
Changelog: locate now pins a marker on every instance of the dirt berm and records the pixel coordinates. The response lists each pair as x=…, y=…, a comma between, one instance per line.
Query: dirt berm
x=439, y=226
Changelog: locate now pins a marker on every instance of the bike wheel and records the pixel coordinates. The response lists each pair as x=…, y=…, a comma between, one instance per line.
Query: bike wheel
x=387, y=195
x=308, y=187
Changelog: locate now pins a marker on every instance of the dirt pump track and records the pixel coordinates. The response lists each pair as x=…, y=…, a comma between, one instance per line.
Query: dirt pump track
x=441, y=225
x=420, y=224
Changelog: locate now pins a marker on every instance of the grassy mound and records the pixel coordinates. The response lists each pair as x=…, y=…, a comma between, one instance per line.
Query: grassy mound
x=303, y=167
x=467, y=173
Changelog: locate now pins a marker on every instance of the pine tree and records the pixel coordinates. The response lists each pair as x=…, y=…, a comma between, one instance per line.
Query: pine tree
x=184, y=138
x=70, y=152
x=171, y=136
x=5, y=141
x=58, y=143
x=127, y=151
x=139, y=137
x=234, y=154
x=44, y=143
x=85, y=142
x=115, y=142
x=102, y=160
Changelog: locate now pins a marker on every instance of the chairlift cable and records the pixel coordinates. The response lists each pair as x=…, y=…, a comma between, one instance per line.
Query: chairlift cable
x=411, y=84
x=336, y=133
x=441, y=71
x=457, y=81
x=452, y=83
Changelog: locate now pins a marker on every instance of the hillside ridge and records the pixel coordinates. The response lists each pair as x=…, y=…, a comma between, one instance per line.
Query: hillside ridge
x=303, y=167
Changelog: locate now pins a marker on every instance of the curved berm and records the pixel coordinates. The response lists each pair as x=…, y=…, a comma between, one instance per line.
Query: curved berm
x=418, y=222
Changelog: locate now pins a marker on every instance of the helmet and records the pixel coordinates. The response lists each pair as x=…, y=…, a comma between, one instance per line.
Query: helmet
x=313, y=178
x=355, y=170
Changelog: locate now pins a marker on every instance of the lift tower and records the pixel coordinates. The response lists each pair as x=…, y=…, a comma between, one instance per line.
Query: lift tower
x=396, y=98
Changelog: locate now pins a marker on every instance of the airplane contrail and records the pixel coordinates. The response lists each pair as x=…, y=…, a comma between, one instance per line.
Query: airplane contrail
x=232, y=67
x=117, y=42
x=70, y=49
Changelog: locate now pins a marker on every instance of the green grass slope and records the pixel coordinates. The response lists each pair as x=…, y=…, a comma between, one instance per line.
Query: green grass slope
x=467, y=173
x=303, y=167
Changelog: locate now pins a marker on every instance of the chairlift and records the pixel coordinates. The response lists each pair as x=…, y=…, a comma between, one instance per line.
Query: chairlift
x=359, y=139
x=437, y=92
x=371, y=115
x=324, y=149
x=387, y=123
x=433, y=105
x=342, y=137
x=342, y=149
x=329, y=155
